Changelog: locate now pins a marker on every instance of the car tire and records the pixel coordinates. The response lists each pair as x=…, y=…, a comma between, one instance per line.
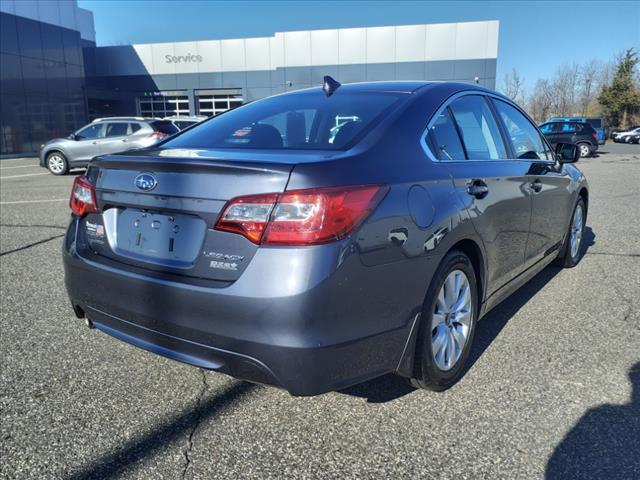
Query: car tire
x=571, y=250
x=585, y=149
x=57, y=163
x=439, y=359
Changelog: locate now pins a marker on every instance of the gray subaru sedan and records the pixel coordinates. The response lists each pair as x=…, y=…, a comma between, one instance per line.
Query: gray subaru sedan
x=321, y=238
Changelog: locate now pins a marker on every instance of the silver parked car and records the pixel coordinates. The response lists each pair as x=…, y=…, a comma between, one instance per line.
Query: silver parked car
x=626, y=136
x=103, y=136
x=186, y=122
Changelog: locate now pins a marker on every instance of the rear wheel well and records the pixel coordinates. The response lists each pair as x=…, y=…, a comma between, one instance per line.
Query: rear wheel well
x=472, y=250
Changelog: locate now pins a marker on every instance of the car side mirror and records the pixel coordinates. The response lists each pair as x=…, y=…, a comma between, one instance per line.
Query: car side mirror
x=72, y=136
x=567, y=153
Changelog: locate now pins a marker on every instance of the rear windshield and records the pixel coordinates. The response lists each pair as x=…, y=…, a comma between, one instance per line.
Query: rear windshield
x=308, y=120
x=164, y=126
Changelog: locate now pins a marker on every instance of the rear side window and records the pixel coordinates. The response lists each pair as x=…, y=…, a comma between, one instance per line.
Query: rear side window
x=444, y=138
x=116, y=129
x=308, y=120
x=135, y=127
x=164, y=126
x=92, y=131
x=480, y=134
x=525, y=139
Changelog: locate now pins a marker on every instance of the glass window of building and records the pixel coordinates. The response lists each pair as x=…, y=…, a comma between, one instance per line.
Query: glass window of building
x=164, y=104
x=214, y=104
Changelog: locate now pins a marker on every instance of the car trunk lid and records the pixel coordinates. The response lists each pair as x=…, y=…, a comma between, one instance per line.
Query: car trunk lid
x=158, y=212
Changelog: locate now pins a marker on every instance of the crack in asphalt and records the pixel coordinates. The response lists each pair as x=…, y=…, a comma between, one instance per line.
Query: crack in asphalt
x=617, y=291
x=17, y=225
x=199, y=418
x=25, y=247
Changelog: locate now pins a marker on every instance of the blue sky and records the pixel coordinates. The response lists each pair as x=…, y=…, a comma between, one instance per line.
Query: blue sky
x=535, y=37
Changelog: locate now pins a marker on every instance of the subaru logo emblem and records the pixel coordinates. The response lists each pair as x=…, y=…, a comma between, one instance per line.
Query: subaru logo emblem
x=146, y=182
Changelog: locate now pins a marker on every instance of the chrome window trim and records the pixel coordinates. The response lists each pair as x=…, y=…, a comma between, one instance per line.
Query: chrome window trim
x=454, y=97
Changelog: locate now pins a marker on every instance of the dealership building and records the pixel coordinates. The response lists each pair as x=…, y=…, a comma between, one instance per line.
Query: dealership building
x=55, y=79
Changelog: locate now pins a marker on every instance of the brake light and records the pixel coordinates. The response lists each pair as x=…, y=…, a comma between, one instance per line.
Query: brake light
x=83, y=197
x=595, y=136
x=158, y=135
x=301, y=217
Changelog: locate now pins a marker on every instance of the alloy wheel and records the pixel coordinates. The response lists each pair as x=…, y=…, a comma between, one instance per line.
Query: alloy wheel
x=584, y=150
x=576, y=231
x=56, y=163
x=451, y=320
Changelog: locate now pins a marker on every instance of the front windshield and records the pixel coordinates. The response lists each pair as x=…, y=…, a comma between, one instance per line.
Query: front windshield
x=308, y=120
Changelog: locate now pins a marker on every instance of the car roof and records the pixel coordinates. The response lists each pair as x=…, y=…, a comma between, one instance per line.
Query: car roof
x=443, y=89
x=570, y=121
x=130, y=119
x=400, y=86
x=186, y=117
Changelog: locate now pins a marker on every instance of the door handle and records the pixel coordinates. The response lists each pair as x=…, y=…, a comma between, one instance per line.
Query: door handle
x=477, y=188
x=536, y=186
x=125, y=139
x=95, y=143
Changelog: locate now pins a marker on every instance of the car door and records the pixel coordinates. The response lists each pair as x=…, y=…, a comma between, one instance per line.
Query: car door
x=491, y=186
x=566, y=133
x=86, y=145
x=551, y=131
x=548, y=182
x=115, y=137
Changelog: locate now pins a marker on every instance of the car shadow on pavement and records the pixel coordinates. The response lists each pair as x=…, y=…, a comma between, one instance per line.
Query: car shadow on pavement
x=124, y=457
x=391, y=387
x=605, y=443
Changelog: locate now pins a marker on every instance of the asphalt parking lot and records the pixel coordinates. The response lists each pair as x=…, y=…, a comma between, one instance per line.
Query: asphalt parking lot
x=553, y=389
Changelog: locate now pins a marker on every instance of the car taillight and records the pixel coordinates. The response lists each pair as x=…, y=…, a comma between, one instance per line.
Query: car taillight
x=595, y=136
x=158, y=135
x=83, y=197
x=301, y=217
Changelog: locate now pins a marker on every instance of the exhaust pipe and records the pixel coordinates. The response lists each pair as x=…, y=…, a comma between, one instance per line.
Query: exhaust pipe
x=89, y=323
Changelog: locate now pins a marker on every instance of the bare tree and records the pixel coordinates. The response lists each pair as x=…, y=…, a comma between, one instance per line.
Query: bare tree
x=589, y=84
x=573, y=90
x=564, y=87
x=540, y=100
x=513, y=86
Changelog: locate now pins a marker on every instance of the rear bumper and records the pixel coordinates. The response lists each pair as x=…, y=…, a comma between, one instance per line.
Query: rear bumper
x=313, y=341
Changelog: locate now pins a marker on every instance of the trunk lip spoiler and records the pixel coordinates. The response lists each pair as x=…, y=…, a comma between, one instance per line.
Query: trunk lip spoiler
x=189, y=165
